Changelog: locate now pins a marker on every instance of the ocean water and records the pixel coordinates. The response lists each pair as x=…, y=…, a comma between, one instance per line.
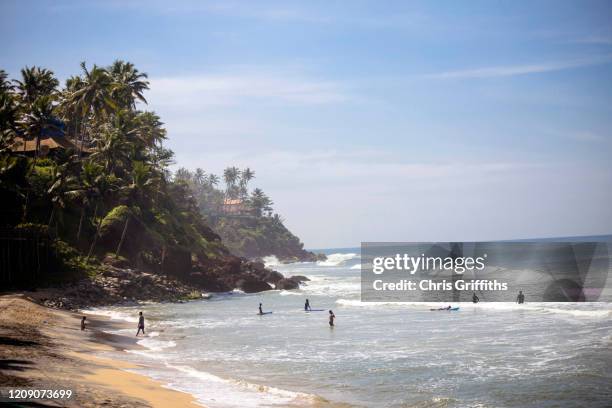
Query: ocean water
x=379, y=354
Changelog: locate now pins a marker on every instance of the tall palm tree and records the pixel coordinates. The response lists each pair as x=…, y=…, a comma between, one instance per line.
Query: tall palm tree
x=230, y=175
x=35, y=82
x=5, y=84
x=62, y=182
x=138, y=193
x=182, y=174
x=246, y=175
x=93, y=96
x=129, y=84
x=105, y=186
x=8, y=120
x=150, y=130
x=112, y=149
x=213, y=179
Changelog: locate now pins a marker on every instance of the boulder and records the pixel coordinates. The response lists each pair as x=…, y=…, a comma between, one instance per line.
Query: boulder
x=251, y=284
x=287, y=284
x=299, y=278
x=273, y=276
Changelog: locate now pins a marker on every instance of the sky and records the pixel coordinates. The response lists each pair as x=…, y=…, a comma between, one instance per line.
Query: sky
x=367, y=120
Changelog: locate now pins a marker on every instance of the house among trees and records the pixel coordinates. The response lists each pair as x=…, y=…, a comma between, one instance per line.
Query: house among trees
x=51, y=139
x=48, y=144
x=235, y=206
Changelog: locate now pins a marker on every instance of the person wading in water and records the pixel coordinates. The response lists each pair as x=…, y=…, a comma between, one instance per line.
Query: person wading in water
x=140, y=324
x=332, y=316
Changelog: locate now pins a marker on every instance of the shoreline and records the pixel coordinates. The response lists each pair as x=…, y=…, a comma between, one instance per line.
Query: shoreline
x=44, y=348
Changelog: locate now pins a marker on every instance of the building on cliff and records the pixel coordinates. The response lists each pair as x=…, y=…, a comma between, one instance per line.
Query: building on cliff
x=235, y=206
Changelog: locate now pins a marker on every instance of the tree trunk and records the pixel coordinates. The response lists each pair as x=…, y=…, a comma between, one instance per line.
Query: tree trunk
x=81, y=222
x=51, y=218
x=125, y=227
x=93, y=244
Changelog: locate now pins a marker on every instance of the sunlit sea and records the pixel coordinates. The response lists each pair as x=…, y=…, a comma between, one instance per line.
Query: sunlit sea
x=378, y=354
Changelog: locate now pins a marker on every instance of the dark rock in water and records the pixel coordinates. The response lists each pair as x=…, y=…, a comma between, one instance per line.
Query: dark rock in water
x=256, y=266
x=251, y=284
x=287, y=284
x=299, y=278
x=273, y=276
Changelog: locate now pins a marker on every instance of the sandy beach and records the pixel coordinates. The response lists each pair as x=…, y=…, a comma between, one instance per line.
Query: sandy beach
x=44, y=348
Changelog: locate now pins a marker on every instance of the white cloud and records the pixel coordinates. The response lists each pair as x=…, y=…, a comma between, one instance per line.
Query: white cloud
x=515, y=70
x=230, y=89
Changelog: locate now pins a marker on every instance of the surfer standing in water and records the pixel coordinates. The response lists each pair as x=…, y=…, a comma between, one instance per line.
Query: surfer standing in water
x=307, y=305
x=475, y=298
x=520, y=299
x=260, y=311
x=140, y=324
x=332, y=316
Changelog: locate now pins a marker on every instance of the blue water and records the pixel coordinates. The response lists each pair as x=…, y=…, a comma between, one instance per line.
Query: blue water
x=379, y=354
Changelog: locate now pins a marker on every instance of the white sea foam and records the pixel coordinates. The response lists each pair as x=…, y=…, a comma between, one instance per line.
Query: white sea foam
x=290, y=293
x=337, y=259
x=156, y=345
x=357, y=266
x=586, y=310
x=113, y=314
x=221, y=392
x=271, y=261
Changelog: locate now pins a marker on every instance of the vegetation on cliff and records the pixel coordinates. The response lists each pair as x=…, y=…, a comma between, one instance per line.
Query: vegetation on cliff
x=244, y=219
x=88, y=171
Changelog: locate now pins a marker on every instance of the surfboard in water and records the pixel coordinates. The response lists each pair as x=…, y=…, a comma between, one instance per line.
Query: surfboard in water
x=444, y=309
x=315, y=310
x=264, y=313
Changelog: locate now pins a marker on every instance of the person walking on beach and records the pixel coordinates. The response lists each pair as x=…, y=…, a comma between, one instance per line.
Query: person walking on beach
x=520, y=299
x=140, y=324
x=260, y=310
x=83, y=323
x=332, y=316
x=307, y=305
x=475, y=298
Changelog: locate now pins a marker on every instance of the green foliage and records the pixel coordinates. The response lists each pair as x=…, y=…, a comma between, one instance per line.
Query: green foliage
x=115, y=218
x=116, y=178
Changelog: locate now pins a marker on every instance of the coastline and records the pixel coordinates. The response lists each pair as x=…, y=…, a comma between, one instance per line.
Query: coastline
x=45, y=348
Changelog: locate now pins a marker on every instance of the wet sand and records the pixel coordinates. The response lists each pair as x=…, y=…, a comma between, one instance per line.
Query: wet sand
x=45, y=348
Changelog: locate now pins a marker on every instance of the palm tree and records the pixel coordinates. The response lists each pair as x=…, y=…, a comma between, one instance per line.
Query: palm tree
x=8, y=120
x=213, y=179
x=150, y=129
x=245, y=176
x=138, y=193
x=35, y=82
x=182, y=174
x=260, y=202
x=5, y=84
x=71, y=113
x=87, y=190
x=92, y=96
x=104, y=187
x=199, y=176
x=129, y=84
x=61, y=186
x=111, y=150
x=230, y=175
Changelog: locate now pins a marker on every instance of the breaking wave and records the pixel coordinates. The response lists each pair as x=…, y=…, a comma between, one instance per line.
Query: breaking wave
x=337, y=259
